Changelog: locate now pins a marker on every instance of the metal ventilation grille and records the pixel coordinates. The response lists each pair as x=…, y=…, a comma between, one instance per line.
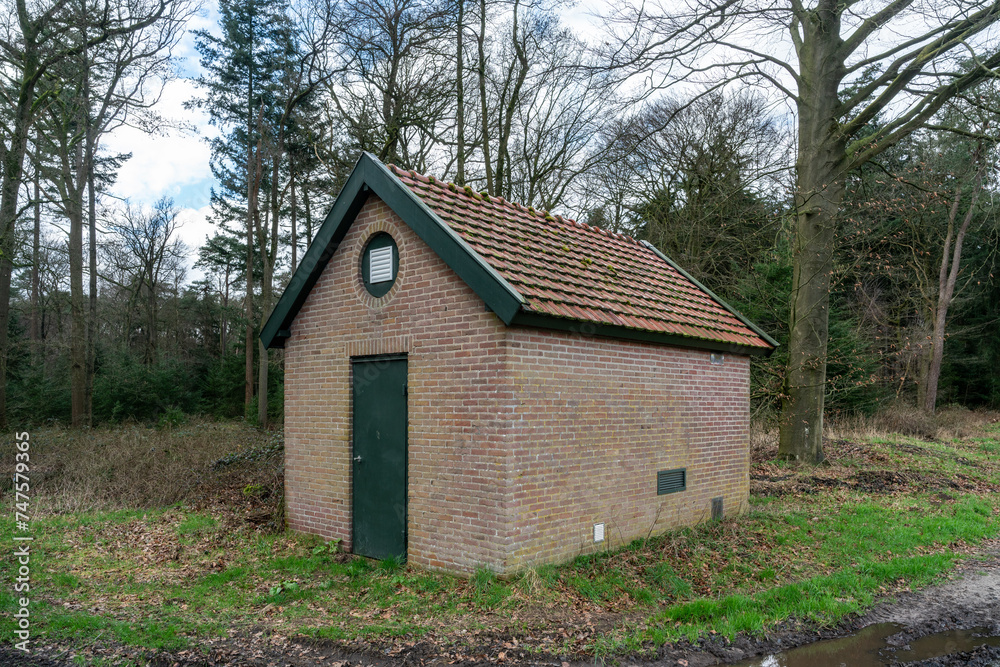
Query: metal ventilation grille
x=671, y=481
x=380, y=265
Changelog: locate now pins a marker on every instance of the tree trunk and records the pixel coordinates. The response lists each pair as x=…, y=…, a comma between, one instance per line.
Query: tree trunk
x=295, y=240
x=224, y=319
x=460, y=95
x=265, y=305
x=818, y=196
x=262, y=368
x=484, y=115
x=269, y=254
x=78, y=321
x=35, y=259
x=391, y=112
x=924, y=363
x=935, y=357
x=12, y=172
x=502, y=174
x=248, y=314
x=92, y=305
x=248, y=301
x=152, y=314
x=309, y=224
x=947, y=279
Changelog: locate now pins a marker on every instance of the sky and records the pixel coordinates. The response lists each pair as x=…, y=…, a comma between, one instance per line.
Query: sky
x=175, y=162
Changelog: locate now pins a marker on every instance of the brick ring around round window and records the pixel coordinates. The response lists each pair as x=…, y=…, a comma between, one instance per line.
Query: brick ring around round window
x=379, y=264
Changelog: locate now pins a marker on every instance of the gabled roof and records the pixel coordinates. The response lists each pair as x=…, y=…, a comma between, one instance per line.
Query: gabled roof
x=532, y=268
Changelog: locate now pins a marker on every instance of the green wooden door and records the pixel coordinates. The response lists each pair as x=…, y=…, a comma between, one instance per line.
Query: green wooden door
x=379, y=457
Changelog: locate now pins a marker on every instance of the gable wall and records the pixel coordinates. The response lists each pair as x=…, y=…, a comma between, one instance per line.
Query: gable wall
x=595, y=420
x=456, y=486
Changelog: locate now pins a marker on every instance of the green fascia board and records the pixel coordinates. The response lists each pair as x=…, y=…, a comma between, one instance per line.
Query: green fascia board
x=757, y=330
x=372, y=177
x=501, y=297
x=346, y=207
x=585, y=329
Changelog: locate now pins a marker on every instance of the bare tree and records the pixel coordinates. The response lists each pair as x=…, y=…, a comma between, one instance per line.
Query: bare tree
x=144, y=250
x=99, y=89
x=843, y=65
x=960, y=163
x=388, y=92
x=693, y=178
x=565, y=103
x=33, y=41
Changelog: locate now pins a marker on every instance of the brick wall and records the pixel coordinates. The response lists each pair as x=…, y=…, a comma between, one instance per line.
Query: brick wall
x=519, y=440
x=597, y=418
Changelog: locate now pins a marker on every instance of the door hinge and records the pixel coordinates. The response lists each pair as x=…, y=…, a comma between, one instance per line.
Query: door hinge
x=405, y=387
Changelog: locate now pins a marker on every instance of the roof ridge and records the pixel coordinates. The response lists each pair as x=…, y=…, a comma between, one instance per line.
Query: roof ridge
x=483, y=196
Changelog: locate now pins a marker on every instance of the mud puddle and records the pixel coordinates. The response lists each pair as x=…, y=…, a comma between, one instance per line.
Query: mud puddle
x=878, y=645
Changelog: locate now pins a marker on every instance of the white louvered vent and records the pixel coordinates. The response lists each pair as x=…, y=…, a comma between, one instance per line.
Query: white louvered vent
x=380, y=265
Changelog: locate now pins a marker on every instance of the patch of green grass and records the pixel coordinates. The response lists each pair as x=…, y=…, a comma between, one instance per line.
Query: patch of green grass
x=390, y=564
x=300, y=564
x=989, y=446
x=153, y=633
x=287, y=591
x=197, y=524
x=488, y=591
x=823, y=599
x=664, y=578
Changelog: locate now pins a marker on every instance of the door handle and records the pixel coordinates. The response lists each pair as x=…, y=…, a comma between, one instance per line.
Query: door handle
x=357, y=459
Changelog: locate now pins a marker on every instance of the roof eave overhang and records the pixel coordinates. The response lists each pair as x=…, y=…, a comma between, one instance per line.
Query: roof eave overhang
x=753, y=327
x=585, y=329
x=372, y=177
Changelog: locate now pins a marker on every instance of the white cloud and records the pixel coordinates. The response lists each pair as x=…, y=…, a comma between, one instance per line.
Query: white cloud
x=168, y=162
x=186, y=55
x=195, y=228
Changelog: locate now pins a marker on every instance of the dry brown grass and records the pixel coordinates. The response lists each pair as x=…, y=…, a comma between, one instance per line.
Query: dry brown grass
x=135, y=466
x=949, y=423
x=763, y=441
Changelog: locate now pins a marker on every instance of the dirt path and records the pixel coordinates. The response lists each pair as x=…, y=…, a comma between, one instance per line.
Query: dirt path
x=970, y=599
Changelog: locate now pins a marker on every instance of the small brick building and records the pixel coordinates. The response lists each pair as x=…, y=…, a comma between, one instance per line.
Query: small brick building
x=472, y=383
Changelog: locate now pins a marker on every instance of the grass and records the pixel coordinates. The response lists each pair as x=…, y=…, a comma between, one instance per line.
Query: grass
x=133, y=466
x=886, y=513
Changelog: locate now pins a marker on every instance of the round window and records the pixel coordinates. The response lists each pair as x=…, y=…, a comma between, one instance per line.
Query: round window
x=380, y=264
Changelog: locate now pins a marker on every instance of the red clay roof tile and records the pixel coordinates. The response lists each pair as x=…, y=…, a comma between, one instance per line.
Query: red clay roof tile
x=569, y=269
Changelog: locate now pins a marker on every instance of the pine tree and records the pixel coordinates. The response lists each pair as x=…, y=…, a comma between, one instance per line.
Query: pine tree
x=243, y=69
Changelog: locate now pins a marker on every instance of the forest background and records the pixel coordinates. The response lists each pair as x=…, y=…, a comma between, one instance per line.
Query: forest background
x=107, y=316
